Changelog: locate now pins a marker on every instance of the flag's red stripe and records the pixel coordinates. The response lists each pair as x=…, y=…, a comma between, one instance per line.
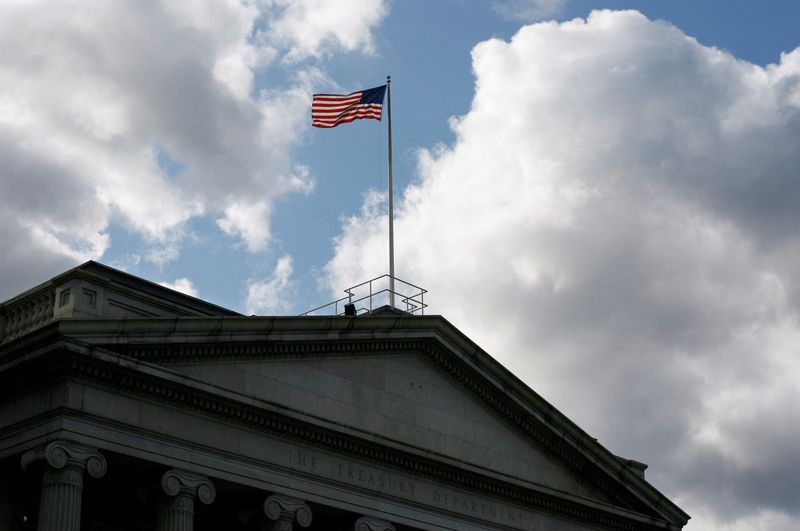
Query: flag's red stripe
x=320, y=123
x=354, y=111
x=346, y=118
x=333, y=107
x=343, y=108
x=333, y=96
x=336, y=112
x=318, y=98
x=334, y=104
x=328, y=125
x=340, y=118
x=355, y=97
x=337, y=107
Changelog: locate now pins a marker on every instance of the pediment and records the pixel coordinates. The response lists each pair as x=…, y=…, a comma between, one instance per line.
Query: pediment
x=402, y=399
x=415, y=386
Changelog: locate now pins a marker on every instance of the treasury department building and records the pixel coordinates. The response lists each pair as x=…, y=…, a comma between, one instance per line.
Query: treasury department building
x=127, y=406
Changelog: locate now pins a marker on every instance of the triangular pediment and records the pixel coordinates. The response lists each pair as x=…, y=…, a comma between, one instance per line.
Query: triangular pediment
x=408, y=390
x=399, y=399
x=416, y=384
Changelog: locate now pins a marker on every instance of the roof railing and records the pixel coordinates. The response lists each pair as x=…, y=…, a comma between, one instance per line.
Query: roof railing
x=376, y=293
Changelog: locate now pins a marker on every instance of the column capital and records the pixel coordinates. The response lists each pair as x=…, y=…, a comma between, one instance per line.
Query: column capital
x=279, y=506
x=62, y=481
x=369, y=523
x=59, y=454
x=176, y=481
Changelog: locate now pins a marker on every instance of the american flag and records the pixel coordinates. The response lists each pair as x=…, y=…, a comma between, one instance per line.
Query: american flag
x=330, y=110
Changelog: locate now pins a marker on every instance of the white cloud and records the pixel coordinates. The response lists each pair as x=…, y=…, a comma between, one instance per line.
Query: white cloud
x=91, y=95
x=616, y=223
x=250, y=221
x=273, y=295
x=318, y=27
x=184, y=285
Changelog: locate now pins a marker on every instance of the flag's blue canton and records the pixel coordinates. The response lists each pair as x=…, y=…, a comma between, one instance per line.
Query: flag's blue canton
x=373, y=95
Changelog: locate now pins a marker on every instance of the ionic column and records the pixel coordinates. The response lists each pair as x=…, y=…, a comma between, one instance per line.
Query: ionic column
x=368, y=523
x=282, y=511
x=62, y=483
x=176, y=506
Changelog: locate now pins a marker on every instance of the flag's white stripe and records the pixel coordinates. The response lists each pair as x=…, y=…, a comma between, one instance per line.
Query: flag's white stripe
x=321, y=99
x=344, y=106
x=336, y=112
x=335, y=105
x=345, y=119
x=342, y=98
x=373, y=112
x=356, y=94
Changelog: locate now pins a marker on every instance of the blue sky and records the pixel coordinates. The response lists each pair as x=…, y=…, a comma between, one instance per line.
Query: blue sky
x=426, y=47
x=604, y=200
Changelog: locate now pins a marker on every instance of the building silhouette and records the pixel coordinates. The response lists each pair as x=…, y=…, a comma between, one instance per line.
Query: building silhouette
x=128, y=406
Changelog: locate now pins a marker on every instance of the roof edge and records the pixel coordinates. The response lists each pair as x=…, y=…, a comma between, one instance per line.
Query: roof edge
x=109, y=276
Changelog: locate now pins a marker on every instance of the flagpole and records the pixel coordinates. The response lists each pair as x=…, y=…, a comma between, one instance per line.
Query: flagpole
x=391, y=198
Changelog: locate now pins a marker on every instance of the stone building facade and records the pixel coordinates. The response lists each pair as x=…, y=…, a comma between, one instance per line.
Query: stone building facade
x=126, y=406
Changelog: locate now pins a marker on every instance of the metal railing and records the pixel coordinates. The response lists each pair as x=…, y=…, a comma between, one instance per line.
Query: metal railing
x=376, y=293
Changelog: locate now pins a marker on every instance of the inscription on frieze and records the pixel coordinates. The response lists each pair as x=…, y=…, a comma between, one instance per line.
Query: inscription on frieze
x=370, y=478
x=476, y=507
x=374, y=479
x=383, y=482
x=303, y=460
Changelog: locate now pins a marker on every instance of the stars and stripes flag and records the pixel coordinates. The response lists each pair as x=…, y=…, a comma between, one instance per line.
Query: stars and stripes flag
x=330, y=110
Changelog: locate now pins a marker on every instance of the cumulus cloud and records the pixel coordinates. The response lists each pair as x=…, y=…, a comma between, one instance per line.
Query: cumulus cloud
x=250, y=221
x=616, y=223
x=314, y=27
x=272, y=295
x=146, y=116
